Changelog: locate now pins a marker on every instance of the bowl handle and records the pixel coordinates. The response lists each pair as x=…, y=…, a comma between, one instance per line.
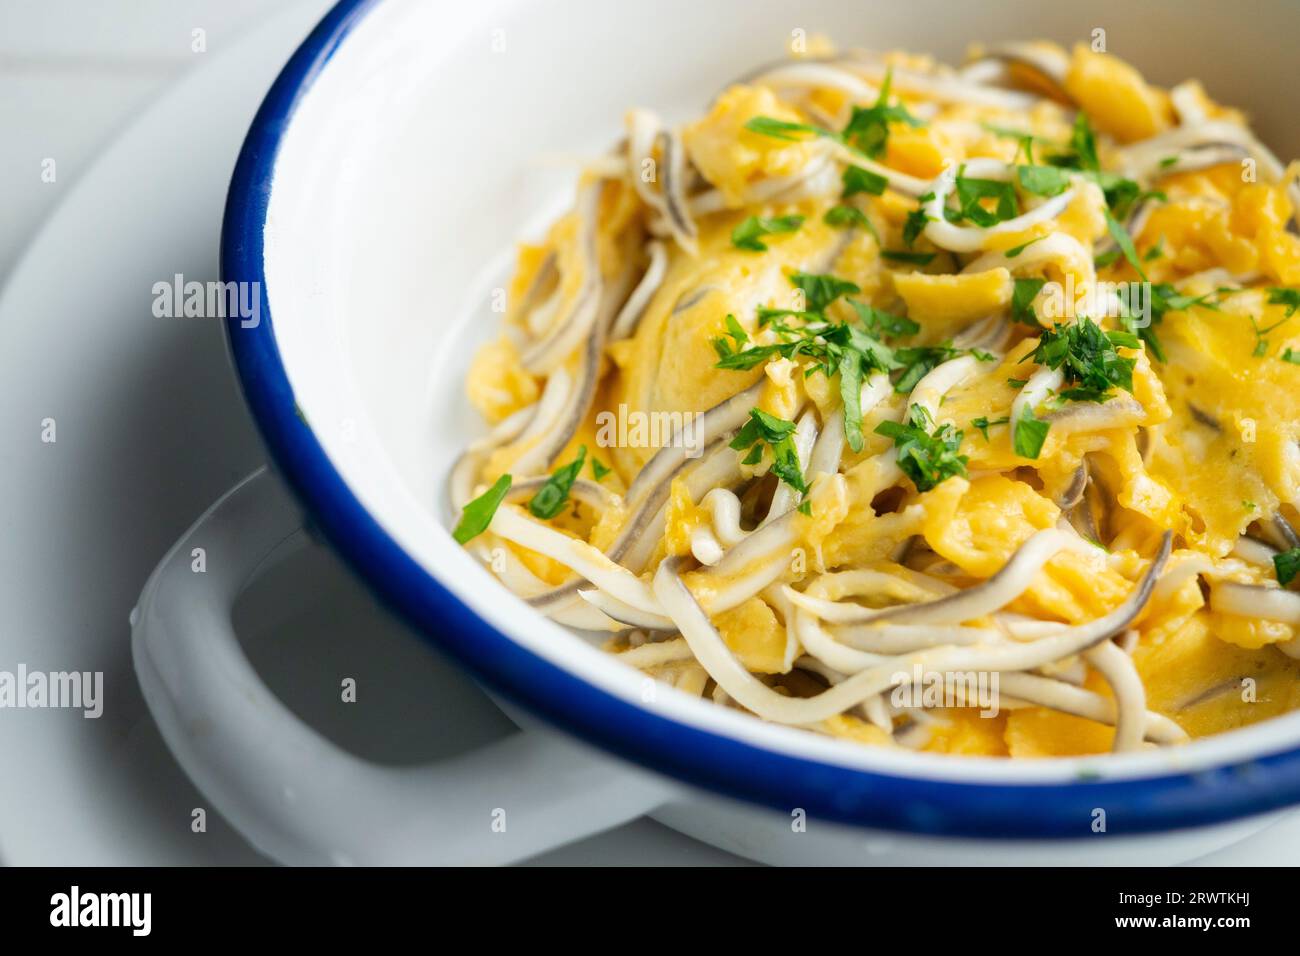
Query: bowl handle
x=300, y=798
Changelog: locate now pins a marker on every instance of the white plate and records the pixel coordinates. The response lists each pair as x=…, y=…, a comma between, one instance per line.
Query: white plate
x=150, y=428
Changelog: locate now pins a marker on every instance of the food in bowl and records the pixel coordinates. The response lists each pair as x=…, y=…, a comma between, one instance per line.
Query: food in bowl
x=945, y=409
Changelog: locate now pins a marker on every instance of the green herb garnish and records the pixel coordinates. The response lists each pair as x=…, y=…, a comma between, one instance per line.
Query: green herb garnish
x=972, y=193
x=916, y=221
x=821, y=290
x=833, y=347
x=1083, y=143
x=1287, y=566
x=1023, y=293
x=858, y=180
x=552, y=496
x=851, y=396
x=778, y=435
x=477, y=514
x=599, y=470
x=1124, y=241
x=916, y=258
x=748, y=234
x=868, y=128
x=1086, y=356
x=784, y=129
x=849, y=350
x=918, y=361
x=739, y=337
x=847, y=215
x=1016, y=250
x=1261, y=343
x=1287, y=297
x=1163, y=298
x=1029, y=435
x=983, y=424
x=926, y=455
x=881, y=323
x=1043, y=180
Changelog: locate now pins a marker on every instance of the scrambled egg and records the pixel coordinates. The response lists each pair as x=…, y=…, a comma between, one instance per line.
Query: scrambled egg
x=1209, y=447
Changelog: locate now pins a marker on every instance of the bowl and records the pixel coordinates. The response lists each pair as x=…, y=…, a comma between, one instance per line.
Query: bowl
x=398, y=157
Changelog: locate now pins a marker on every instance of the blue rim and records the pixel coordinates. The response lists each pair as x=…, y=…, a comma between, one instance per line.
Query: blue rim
x=695, y=756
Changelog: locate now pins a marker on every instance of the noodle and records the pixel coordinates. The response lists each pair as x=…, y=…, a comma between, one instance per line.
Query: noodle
x=957, y=368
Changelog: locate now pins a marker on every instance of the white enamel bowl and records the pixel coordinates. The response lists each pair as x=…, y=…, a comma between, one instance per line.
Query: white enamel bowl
x=375, y=202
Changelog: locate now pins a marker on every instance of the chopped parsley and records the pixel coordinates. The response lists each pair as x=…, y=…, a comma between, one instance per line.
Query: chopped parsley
x=972, y=193
x=1287, y=297
x=846, y=215
x=983, y=424
x=477, y=514
x=1023, y=137
x=1163, y=298
x=736, y=330
x=916, y=221
x=749, y=234
x=552, y=496
x=1086, y=356
x=1016, y=250
x=1290, y=356
x=599, y=470
x=916, y=258
x=739, y=337
x=1261, y=343
x=851, y=396
x=821, y=290
x=881, y=323
x=1125, y=242
x=1120, y=193
x=784, y=129
x=1029, y=435
x=1023, y=293
x=1287, y=566
x=926, y=454
x=858, y=180
x=849, y=350
x=868, y=128
x=778, y=435
x=918, y=361
x=1083, y=143
x=1043, y=180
